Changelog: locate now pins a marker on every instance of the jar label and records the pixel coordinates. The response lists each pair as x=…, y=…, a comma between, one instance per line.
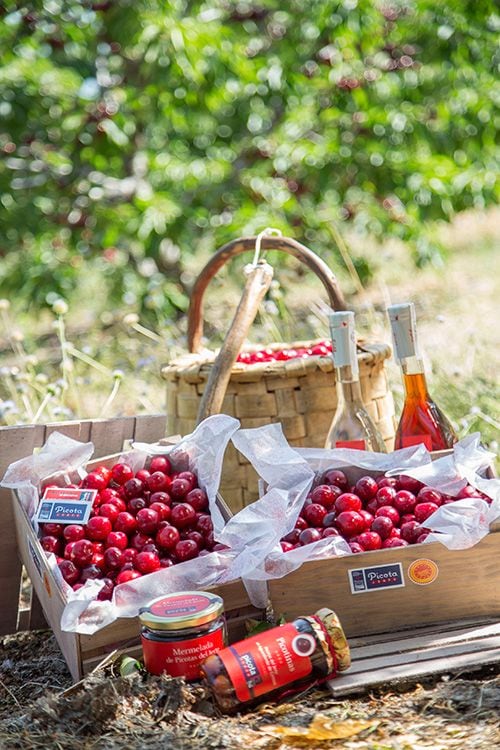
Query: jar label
x=359, y=445
x=408, y=440
x=184, y=604
x=268, y=661
x=181, y=658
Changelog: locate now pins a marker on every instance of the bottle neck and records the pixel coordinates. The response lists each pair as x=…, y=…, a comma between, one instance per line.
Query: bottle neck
x=414, y=380
x=349, y=384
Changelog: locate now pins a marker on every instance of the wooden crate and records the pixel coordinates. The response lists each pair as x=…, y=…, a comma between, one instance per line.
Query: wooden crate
x=436, y=585
x=84, y=652
x=108, y=436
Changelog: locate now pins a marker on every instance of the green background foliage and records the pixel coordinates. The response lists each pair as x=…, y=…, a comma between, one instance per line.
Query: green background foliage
x=136, y=133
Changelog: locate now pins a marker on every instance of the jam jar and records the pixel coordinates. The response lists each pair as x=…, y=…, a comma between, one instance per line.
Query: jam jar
x=179, y=631
x=290, y=657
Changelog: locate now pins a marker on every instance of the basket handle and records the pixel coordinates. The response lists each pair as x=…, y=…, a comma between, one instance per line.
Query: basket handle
x=242, y=245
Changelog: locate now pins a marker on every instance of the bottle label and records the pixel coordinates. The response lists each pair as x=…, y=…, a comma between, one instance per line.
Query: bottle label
x=268, y=661
x=344, y=341
x=181, y=658
x=358, y=445
x=404, y=330
x=408, y=440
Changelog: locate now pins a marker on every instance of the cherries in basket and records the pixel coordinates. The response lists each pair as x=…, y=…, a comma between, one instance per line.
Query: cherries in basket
x=140, y=522
x=321, y=349
x=374, y=513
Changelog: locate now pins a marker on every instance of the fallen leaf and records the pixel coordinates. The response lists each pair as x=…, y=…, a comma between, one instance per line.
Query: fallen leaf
x=321, y=728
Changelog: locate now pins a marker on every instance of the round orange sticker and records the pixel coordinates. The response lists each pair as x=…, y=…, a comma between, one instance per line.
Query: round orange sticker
x=423, y=571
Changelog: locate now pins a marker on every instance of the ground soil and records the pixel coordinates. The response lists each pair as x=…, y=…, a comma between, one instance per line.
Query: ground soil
x=39, y=708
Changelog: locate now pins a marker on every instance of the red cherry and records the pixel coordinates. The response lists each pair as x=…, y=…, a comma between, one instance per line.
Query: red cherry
x=160, y=463
x=395, y=533
x=404, y=501
x=314, y=514
x=286, y=546
x=347, y=501
x=163, y=511
x=147, y=520
x=467, y=491
x=326, y=495
x=383, y=526
x=186, y=549
x=195, y=536
x=51, y=544
x=301, y=523
x=189, y=477
x=368, y=518
x=330, y=531
x=126, y=523
x=168, y=537
x=107, y=590
x=370, y=540
x=82, y=552
x=309, y=535
x=127, y=575
x=73, y=532
x=394, y=542
x=98, y=561
x=109, y=510
x=408, y=483
x=366, y=488
x=385, y=496
x=121, y=473
x=160, y=497
x=67, y=550
x=337, y=477
x=410, y=531
x=182, y=514
x=98, y=547
x=117, y=539
x=204, y=524
x=69, y=571
x=428, y=495
x=166, y=562
x=129, y=556
x=406, y=518
x=292, y=537
x=108, y=494
x=198, y=499
x=386, y=482
x=179, y=488
x=135, y=504
x=350, y=523
x=423, y=537
x=158, y=482
x=94, y=481
x=138, y=540
x=118, y=503
x=113, y=557
x=98, y=528
x=388, y=511
x=133, y=488
x=143, y=475
x=147, y=562
x=356, y=547
x=424, y=510
x=53, y=529
x=104, y=471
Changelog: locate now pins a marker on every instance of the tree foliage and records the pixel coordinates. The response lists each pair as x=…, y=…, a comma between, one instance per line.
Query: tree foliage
x=136, y=132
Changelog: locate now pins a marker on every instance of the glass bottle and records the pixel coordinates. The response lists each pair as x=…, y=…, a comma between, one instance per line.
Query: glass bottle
x=421, y=420
x=352, y=426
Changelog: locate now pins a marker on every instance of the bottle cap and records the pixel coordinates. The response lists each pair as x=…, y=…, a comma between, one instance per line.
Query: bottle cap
x=335, y=631
x=404, y=330
x=187, y=609
x=344, y=340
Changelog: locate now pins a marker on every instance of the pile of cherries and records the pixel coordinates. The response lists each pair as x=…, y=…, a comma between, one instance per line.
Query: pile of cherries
x=321, y=349
x=140, y=522
x=374, y=513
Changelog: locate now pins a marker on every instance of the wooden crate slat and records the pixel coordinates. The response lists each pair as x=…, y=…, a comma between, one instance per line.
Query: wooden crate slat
x=149, y=428
x=108, y=435
x=365, y=675
x=78, y=429
x=15, y=443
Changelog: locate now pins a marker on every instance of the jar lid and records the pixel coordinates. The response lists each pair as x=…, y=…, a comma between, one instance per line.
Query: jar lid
x=185, y=609
x=335, y=631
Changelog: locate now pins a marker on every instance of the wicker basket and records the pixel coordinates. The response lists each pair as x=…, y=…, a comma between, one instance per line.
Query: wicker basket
x=299, y=393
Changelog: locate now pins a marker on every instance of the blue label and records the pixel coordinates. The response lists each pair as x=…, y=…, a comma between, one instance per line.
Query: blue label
x=376, y=577
x=63, y=511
